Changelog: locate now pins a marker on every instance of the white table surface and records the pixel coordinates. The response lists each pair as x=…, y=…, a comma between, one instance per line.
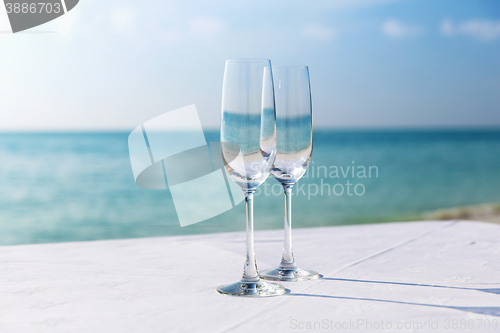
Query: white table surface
x=433, y=273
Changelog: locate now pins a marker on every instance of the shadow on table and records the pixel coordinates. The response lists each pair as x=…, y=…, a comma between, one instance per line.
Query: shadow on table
x=486, y=290
x=488, y=310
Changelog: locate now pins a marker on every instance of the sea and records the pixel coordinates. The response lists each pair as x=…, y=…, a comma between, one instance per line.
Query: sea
x=63, y=187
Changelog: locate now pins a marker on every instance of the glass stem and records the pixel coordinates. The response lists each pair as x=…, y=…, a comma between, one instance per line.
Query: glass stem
x=250, y=270
x=287, y=261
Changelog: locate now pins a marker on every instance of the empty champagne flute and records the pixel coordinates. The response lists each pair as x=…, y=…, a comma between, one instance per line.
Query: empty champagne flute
x=294, y=149
x=248, y=142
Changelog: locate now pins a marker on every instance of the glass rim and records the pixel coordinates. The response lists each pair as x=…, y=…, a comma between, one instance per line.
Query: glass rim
x=249, y=60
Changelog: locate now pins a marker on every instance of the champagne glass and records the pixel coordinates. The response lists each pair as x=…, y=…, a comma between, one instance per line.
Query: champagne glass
x=294, y=149
x=248, y=142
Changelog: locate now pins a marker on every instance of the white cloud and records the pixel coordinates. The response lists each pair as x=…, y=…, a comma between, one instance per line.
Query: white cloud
x=171, y=36
x=318, y=32
x=447, y=28
x=396, y=29
x=484, y=30
x=205, y=27
x=123, y=20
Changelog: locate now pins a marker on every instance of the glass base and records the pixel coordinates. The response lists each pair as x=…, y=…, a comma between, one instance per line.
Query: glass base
x=289, y=275
x=252, y=289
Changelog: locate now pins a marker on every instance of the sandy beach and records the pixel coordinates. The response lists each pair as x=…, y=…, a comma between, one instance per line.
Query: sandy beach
x=485, y=213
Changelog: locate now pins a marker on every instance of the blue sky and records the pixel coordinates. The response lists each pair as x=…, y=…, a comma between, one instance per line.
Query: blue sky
x=373, y=63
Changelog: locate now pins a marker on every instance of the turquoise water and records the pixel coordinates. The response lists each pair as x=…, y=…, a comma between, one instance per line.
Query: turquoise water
x=69, y=187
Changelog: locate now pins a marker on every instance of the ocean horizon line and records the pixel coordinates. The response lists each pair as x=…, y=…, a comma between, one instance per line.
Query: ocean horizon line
x=492, y=128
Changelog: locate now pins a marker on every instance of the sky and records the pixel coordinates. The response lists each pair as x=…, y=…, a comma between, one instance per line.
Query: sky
x=112, y=65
